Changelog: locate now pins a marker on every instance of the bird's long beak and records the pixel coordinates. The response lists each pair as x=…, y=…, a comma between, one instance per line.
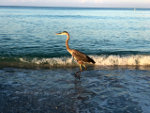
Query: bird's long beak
x=58, y=33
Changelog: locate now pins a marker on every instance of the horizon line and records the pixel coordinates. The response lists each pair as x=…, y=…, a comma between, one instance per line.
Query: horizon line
x=92, y=7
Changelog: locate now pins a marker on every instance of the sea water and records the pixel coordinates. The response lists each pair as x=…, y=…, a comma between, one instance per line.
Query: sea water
x=37, y=72
x=109, y=36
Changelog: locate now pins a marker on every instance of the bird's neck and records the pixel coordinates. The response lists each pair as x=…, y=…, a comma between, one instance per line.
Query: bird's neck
x=67, y=46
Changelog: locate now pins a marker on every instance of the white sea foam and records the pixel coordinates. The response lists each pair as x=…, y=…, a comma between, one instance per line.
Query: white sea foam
x=102, y=60
x=123, y=60
x=63, y=61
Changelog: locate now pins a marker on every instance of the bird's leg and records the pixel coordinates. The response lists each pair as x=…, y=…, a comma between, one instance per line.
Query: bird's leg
x=77, y=74
x=72, y=59
x=80, y=67
x=80, y=64
x=79, y=71
x=84, y=66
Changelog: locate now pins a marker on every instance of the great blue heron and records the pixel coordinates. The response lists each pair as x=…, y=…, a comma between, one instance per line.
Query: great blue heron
x=80, y=57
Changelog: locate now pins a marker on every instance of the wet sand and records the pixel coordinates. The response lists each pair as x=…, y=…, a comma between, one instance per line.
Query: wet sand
x=99, y=90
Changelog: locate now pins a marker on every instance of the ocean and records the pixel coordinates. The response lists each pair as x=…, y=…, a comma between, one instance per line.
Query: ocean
x=37, y=72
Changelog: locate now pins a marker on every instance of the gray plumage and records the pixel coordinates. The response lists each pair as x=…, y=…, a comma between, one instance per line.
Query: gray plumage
x=79, y=56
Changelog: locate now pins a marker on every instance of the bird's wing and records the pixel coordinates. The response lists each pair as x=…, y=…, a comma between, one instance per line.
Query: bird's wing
x=79, y=56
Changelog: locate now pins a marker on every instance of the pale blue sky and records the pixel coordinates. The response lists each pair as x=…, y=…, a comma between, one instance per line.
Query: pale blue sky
x=79, y=3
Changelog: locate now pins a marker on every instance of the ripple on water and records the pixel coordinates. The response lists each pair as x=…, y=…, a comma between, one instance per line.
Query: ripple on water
x=98, y=91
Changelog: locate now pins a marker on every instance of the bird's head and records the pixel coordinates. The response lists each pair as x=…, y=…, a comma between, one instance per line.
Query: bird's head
x=62, y=33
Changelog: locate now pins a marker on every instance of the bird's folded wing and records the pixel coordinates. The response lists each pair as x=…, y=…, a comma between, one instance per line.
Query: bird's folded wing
x=79, y=56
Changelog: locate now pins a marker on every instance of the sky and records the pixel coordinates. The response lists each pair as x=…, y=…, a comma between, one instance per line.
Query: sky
x=79, y=3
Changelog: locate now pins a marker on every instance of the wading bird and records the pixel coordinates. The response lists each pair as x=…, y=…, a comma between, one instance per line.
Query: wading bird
x=80, y=57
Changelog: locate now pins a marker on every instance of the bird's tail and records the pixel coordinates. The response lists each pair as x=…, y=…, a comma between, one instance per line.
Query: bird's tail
x=91, y=60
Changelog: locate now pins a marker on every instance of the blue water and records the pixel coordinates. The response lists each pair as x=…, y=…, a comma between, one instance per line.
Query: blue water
x=29, y=32
x=117, y=39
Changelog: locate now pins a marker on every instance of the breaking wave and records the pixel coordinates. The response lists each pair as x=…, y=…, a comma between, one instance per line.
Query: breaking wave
x=102, y=60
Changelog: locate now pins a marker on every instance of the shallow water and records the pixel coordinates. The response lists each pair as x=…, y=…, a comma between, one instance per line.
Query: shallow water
x=99, y=90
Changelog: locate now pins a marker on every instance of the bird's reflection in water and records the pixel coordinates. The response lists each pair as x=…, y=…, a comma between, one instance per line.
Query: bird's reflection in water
x=81, y=95
x=78, y=75
x=79, y=91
